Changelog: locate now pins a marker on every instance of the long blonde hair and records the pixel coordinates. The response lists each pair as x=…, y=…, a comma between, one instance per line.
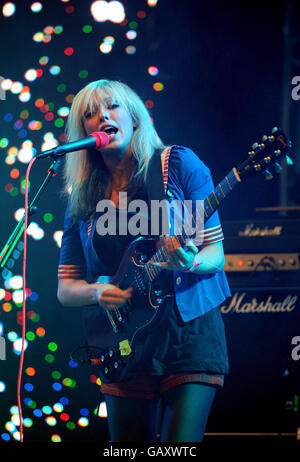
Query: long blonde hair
x=85, y=174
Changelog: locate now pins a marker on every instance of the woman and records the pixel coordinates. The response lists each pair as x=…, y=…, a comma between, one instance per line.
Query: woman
x=183, y=362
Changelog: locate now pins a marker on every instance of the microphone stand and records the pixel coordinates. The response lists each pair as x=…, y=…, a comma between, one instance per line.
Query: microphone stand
x=32, y=209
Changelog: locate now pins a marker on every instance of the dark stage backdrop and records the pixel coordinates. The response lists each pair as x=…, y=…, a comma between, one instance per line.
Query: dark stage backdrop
x=212, y=76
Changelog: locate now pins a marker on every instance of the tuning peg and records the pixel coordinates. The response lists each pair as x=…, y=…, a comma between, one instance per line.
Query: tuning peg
x=267, y=160
x=289, y=160
x=277, y=153
x=255, y=146
x=278, y=167
x=275, y=129
x=268, y=175
x=265, y=138
x=257, y=167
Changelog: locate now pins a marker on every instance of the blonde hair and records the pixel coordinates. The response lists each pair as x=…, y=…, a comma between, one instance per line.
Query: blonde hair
x=85, y=174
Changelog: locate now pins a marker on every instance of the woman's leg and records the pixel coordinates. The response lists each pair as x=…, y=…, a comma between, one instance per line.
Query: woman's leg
x=132, y=419
x=186, y=410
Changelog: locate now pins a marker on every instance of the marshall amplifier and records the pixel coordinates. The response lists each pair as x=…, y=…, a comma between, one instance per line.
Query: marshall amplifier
x=261, y=236
x=261, y=393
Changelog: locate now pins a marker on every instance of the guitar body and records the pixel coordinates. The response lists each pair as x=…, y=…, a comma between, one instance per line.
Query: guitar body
x=110, y=335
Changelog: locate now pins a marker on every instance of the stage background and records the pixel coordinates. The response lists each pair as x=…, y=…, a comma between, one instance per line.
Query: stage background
x=213, y=75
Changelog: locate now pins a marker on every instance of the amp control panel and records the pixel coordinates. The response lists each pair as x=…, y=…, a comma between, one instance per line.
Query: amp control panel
x=262, y=262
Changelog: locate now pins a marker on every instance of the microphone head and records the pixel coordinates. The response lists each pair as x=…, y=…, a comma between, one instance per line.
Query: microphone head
x=102, y=139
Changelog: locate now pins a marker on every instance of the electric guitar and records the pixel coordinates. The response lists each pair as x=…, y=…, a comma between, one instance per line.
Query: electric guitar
x=111, y=334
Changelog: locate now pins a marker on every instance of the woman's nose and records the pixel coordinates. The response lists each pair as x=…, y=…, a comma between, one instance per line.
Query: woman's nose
x=103, y=113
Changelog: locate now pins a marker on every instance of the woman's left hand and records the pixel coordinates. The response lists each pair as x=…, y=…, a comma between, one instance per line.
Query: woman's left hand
x=178, y=258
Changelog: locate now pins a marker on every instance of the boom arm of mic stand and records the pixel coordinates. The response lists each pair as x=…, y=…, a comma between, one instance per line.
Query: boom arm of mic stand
x=32, y=209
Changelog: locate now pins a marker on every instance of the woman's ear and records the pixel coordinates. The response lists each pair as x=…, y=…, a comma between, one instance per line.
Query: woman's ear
x=135, y=125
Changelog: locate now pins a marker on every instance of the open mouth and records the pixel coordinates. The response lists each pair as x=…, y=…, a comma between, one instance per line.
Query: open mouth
x=111, y=131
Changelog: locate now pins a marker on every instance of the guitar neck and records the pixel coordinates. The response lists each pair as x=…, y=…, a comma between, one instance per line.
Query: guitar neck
x=210, y=205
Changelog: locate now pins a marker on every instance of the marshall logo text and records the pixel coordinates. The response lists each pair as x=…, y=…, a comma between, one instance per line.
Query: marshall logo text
x=252, y=231
x=237, y=304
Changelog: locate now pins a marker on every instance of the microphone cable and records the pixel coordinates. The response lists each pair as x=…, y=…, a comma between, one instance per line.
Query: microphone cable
x=24, y=301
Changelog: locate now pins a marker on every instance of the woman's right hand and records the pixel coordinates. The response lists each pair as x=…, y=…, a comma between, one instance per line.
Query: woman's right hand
x=111, y=297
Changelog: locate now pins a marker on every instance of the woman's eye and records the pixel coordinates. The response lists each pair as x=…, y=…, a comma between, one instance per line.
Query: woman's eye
x=88, y=115
x=113, y=106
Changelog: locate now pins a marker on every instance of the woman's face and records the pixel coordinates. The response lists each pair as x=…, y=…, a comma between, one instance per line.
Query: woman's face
x=109, y=116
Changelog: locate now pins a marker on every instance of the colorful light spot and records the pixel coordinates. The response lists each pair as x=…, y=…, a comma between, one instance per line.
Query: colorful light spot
x=12, y=336
x=58, y=407
x=38, y=37
x=58, y=30
x=43, y=60
x=57, y=386
x=54, y=70
x=8, y=9
x=87, y=29
x=52, y=346
x=70, y=425
x=69, y=51
x=30, y=75
x=133, y=25
x=49, y=358
x=17, y=346
x=131, y=34
x=35, y=125
x=105, y=48
x=4, y=142
x=27, y=422
x=28, y=386
x=108, y=11
x=63, y=111
x=130, y=50
x=158, y=86
x=51, y=421
x=40, y=331
x=47, y=410
x=59, y=123
x=83, y=74
x=56, y=438
x=102, y=411
x=36, y=7
x=153, y=70
x=141, y=14
x=83, y=422
x=30, y=371
x=6, y=307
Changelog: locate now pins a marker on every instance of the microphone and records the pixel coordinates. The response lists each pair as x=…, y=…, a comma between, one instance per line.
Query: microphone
x=94, y=140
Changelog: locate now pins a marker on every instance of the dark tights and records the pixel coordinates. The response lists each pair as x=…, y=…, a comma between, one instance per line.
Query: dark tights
x=182, y=417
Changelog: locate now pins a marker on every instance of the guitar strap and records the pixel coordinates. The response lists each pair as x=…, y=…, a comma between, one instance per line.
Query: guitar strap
x=156, y=185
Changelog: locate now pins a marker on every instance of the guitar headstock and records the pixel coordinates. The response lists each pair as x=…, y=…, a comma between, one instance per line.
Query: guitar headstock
x=265, y=157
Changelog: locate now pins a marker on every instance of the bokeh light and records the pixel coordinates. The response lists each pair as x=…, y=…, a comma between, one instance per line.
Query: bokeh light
x=8, y=9
x=108, y=11
x=36, y=7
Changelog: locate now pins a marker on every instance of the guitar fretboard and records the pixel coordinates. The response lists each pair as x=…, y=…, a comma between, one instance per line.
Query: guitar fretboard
x=210, y=205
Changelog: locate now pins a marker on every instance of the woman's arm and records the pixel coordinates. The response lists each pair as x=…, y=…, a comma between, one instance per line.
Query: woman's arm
x=77, y=292
x=210, y=259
